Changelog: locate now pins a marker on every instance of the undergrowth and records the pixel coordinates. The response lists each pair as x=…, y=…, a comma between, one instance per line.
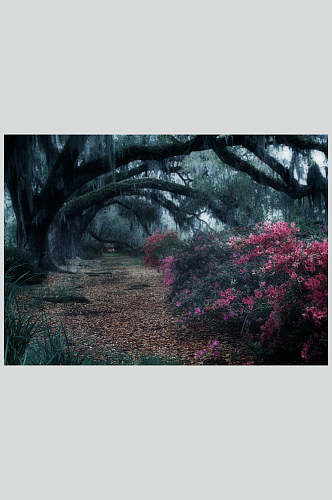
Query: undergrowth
x=28, y=338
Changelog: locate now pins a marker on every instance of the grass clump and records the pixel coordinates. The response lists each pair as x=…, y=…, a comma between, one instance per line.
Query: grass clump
x=51, y=348
x=28, y=338
x=19, y=328
x=19, y=267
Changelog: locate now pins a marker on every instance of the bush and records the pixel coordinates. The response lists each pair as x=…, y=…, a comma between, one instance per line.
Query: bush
x=312, y=230
x=309, y=227
x=159, y=245
x=18, y=266
x=270, y=281
x=212, y=355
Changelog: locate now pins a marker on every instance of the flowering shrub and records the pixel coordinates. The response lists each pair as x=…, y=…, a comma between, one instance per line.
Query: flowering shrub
x=166, y=266
x=271, y=280
x=158, y=246
x=212, y=355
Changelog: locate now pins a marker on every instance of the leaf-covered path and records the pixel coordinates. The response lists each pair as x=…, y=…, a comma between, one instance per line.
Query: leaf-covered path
x=127, y=312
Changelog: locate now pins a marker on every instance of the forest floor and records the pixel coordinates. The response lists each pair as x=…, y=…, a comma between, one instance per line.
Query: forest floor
x=128, y=313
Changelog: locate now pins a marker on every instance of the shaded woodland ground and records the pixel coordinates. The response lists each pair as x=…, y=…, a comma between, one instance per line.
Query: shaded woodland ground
x=117, y=307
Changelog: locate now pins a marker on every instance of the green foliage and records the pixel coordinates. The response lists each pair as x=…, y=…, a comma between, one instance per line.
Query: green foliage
x=309, y=228
x=18, y=266
x=51, y=348
x=116, y=358
x=19, y=327
x=123, y=258
x=150, y=359
x=90, y=249
x=132, y=252
x=28, y=339
x=312, y=230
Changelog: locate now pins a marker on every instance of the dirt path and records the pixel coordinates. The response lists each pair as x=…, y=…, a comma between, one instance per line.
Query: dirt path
x=128, y=312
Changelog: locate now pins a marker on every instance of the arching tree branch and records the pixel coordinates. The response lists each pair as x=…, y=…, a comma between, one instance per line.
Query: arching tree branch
x=227, y=156
x=303, y=142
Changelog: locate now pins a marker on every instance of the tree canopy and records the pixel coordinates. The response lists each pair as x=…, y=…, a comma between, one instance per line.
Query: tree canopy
x=58, y=184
